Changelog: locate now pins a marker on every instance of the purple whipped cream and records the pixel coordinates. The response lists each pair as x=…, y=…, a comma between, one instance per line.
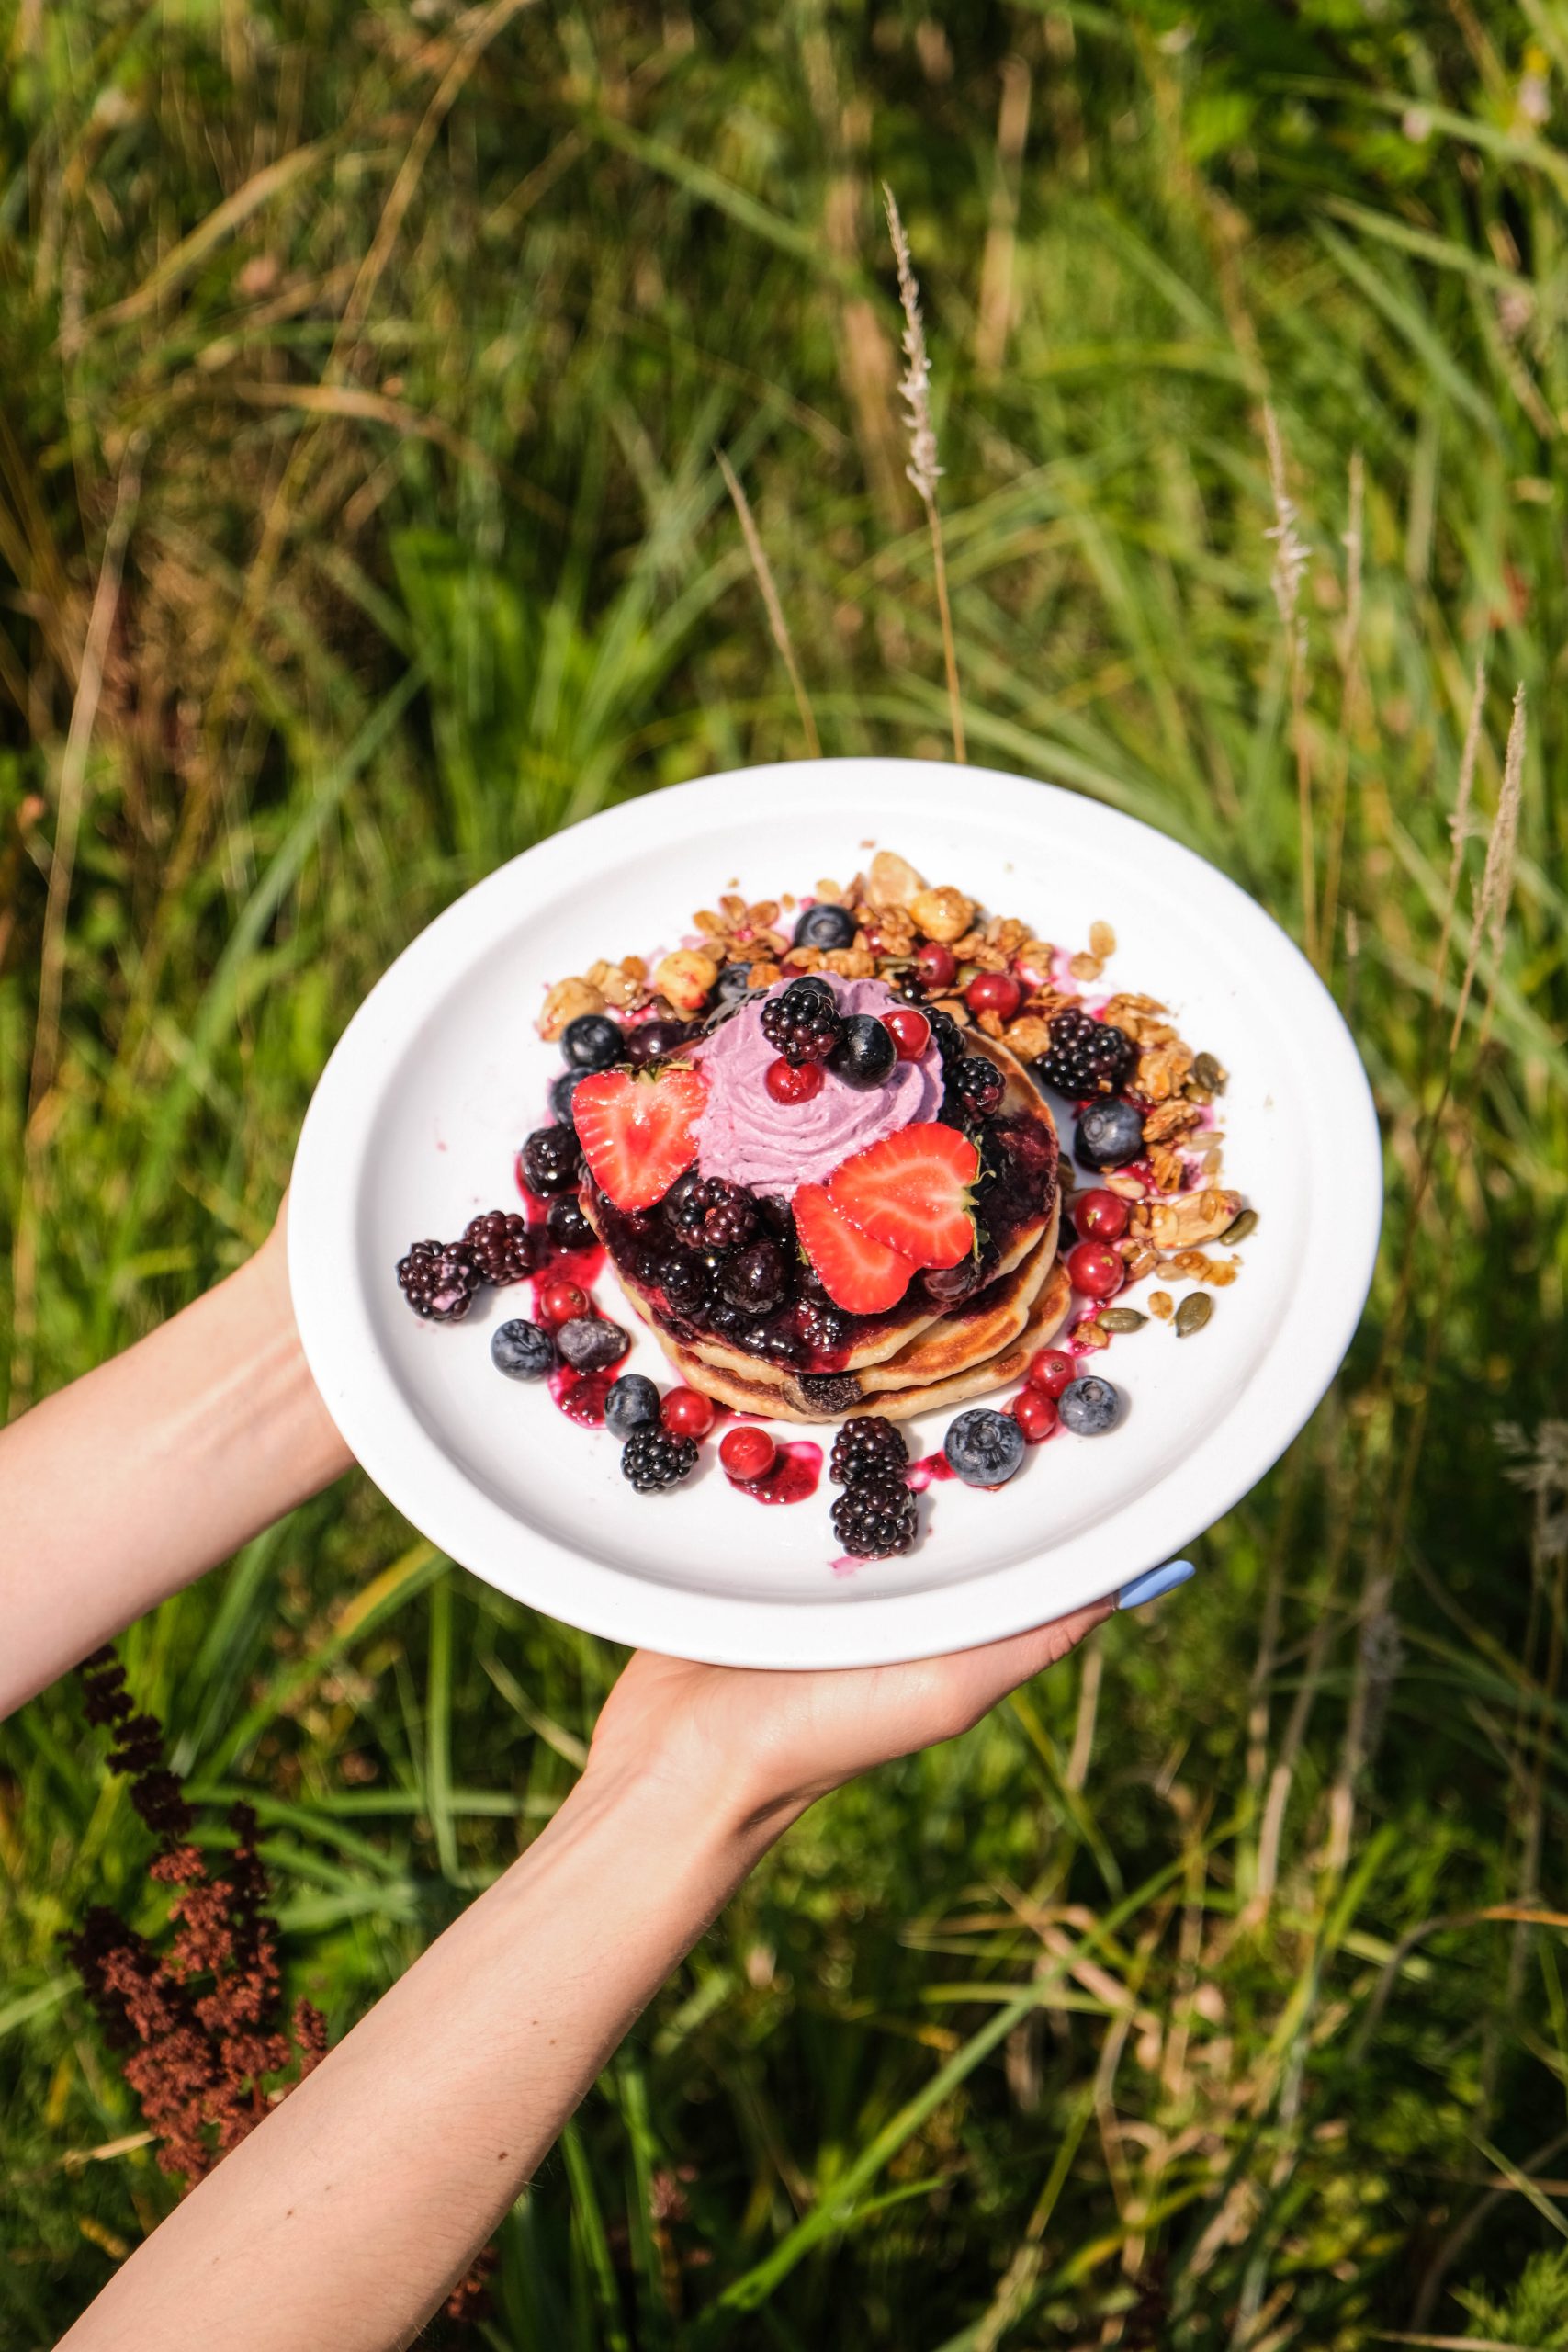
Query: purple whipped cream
x=745, y=1138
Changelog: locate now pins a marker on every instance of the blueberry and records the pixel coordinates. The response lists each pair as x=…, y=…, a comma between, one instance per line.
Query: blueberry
x=733, y=983
x=1110, y=1134
x=652, y=1040
x=592, y=1042
x=826, y=927
x=591, y=1344
x=754, y=1278
x=1089, y=1406
x=947, y=1284
x=562, y=1088
x=865, y=1055
x=551, y=1161
x=984, y=1448
x=567, y=1226
x=631, y=1404
x=521, y=1351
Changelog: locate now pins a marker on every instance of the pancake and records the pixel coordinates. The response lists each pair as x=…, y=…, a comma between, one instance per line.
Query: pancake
x=754, y=1387
x=952, y=1339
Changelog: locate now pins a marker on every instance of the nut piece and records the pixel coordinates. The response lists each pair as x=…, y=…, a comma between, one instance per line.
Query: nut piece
x=945, y=914
x=1162, y=1071
x=1162, y=1304
x=686, y=979
x=1192, y=1217
x=892, y=881
x=1101, y=940
x=1029, y=1036
x=566, y=1001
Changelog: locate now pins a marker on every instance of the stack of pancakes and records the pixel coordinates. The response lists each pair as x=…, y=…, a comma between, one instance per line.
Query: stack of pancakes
x=922, y=1357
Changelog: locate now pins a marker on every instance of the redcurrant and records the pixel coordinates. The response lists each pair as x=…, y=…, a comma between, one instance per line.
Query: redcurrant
x=686, y=1412
x=792, y=1081
x=909, y=1030
x=936, y=964
x=747, y=1452
x=1096, y=1270
x=994, y=992
x=561, y=1302
x=1101, y=1215
x=1035, y=1414
x=1051, y=1371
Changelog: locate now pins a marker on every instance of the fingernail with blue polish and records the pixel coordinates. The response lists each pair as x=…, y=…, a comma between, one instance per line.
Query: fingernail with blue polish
x=1149, y=1587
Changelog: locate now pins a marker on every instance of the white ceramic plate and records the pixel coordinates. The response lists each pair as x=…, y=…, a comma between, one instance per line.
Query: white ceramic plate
x=439, y=1076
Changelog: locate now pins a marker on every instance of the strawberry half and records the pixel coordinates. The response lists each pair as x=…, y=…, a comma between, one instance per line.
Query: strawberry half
x=859, y=1274
x=912, y=1193
x=637, y=1130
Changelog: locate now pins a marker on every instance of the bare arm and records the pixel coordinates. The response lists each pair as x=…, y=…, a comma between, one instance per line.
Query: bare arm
x=125, y=1486
x=346, y=2218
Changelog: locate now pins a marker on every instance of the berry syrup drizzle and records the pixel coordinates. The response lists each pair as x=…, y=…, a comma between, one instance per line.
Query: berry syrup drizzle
x=928, y=1471
x=580, y=1394
x=793, y=1478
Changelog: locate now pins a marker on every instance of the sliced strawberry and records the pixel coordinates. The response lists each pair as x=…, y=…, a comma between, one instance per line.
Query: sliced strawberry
x=911, y=1191
x=637, y=1130
x=858, y=1273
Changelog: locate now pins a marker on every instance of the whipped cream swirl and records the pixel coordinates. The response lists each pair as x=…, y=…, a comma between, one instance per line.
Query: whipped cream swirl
x=745, y=1138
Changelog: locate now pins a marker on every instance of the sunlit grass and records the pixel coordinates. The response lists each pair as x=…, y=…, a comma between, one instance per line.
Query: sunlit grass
x=1203, y=1996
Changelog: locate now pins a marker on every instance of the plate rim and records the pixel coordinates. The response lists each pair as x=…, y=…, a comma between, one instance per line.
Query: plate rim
x=381, y=1426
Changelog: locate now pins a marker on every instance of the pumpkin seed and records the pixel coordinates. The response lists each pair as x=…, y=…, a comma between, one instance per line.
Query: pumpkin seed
x=1240, y=1227
x=1192, y=1314
x=1208, y=1072
x=1121, y=1318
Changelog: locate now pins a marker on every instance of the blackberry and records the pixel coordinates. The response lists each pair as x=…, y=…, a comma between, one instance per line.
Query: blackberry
x=948, y=1036
x=974, y=1087
x=824, y=1329
x=439, y=1279
x=1086, y=1056
x=502, y=1246
x=728, y=1219
x=875, y=1518
x=683, y=1204
x=755, y=1279
x=802, y=1024
x=567, y=1226
x=868, y=1447
x=685, y=1281
x=653, y=1460
x=552, y=1160
x=825, y=926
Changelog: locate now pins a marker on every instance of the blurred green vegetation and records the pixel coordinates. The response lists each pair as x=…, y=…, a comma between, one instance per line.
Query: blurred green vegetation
x=363, y=368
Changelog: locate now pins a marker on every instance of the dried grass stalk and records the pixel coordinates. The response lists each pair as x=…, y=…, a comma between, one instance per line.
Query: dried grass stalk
x=1291, y=556
x=1497, y=876
x=770, y=601
x=1459, y=823
x=924, y=468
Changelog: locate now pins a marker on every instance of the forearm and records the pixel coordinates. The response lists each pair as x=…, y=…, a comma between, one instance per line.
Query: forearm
x=347, y=2215
x=122, y=1487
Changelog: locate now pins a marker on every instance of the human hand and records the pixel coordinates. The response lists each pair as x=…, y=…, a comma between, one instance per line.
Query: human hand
x=764, y=1745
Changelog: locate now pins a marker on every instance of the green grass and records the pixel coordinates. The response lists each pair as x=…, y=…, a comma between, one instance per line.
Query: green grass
x=1179, y=2006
